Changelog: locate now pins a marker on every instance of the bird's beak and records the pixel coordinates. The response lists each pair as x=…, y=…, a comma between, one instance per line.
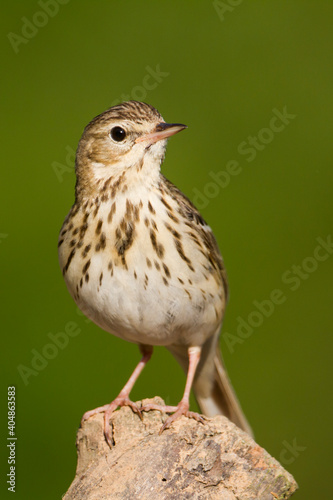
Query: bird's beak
x=162, y=131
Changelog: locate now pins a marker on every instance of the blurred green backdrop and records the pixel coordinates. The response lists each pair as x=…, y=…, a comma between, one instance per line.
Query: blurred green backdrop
x=225, y=73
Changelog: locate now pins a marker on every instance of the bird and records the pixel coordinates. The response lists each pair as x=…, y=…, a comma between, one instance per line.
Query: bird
x=140, y=261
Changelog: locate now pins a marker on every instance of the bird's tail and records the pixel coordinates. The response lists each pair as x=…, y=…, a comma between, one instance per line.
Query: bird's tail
x=212, y=388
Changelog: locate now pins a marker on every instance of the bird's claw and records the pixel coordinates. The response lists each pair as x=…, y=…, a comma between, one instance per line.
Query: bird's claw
x=178, y=411
x=161, y=408
x=108, y=409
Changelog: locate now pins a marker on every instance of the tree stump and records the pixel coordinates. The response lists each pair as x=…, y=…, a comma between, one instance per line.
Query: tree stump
x=215, y=460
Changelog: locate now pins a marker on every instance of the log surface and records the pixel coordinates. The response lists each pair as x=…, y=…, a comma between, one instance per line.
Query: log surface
x=215, y=460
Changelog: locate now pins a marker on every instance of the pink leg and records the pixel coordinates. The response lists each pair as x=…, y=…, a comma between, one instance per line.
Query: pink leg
x=123, y=397
x=183, y=406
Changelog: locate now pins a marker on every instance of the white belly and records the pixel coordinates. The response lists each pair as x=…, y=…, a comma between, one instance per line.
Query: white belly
x=148, y=314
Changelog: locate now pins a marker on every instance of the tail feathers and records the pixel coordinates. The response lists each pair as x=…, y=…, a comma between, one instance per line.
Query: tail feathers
x=222, y=399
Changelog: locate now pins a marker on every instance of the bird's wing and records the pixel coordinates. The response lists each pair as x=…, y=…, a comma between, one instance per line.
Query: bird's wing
x=196, y=221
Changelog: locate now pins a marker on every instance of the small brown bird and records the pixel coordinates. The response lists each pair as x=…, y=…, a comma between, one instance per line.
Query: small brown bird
x=140, y=261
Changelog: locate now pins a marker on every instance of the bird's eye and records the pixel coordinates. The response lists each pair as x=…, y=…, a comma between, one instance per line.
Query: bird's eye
x=118, y=134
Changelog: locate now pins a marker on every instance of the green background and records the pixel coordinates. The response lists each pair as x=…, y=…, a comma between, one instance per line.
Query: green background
x=224, y=74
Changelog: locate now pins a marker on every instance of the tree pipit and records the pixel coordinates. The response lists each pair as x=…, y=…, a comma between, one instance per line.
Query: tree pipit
x=140, y=261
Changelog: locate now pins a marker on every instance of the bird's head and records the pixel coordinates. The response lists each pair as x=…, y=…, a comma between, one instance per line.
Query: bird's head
x=126, y=136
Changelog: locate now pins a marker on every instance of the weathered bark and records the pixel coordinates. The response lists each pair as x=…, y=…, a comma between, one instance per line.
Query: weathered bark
x=190, y=460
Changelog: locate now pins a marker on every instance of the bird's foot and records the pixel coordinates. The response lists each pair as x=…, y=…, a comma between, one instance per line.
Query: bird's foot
x=108, y=410
x=178, y=411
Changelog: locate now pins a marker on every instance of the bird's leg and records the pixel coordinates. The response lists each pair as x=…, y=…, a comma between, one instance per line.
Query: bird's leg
x=184, y=404
x=123, y=397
